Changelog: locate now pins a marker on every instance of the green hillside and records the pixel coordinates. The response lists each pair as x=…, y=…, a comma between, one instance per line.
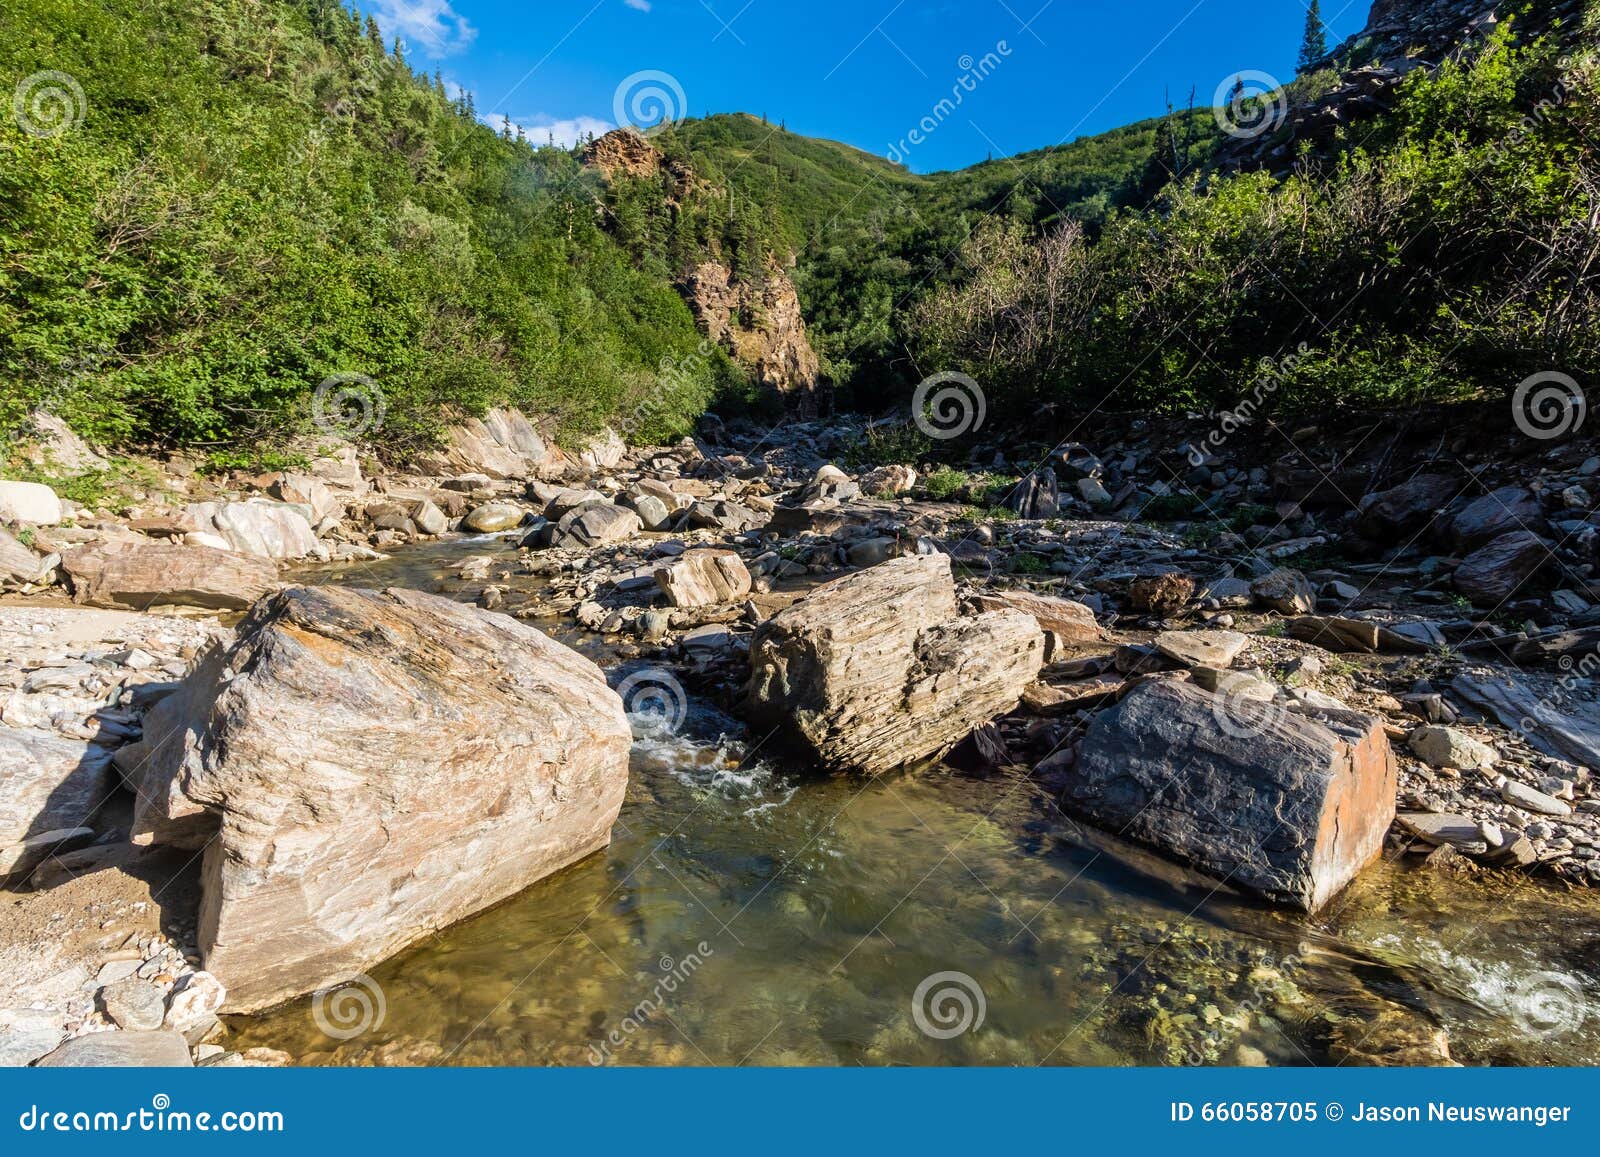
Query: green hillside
x=870, y=238
x=238, y=199
x=257, y=195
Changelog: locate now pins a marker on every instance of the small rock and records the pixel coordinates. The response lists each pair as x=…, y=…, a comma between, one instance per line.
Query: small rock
x=1522, y=796
x=133, y=1004
x=493, y=517
x=1446, y=747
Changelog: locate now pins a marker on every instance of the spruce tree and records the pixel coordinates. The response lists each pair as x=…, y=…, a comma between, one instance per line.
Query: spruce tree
x=1315, y=45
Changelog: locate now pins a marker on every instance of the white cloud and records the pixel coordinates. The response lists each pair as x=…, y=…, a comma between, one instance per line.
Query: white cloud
x=541, y=128
x=430, y=25
x=638, y=5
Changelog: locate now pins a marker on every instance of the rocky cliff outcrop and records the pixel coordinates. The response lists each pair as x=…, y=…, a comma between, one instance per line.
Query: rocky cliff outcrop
x=1400, y=36
x=757, y=320
x=759, y=323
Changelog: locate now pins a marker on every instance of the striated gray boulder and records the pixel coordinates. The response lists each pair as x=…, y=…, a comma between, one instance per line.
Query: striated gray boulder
x=50, y=787
x=1071, y=622
x=1499, y=512
x=272, y=530
x=1492, y=574
x=1289, y=806
x=1406, y=508
x=704, y=578
x=139, y=575
x=595, y=524
x=374, y=766
x=878, y=669
x=121, y=1050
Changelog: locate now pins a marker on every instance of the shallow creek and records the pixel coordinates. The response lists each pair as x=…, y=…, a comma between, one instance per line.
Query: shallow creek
x=748, y=912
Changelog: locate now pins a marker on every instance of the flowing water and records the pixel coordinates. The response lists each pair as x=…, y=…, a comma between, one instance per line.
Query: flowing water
x=752, y=913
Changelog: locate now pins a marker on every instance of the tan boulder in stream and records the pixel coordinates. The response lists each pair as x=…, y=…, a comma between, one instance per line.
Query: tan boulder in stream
x=380, y=766
x=878, y=669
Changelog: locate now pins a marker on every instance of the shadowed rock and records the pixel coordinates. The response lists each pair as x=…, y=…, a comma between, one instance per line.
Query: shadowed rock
x=1289, y=806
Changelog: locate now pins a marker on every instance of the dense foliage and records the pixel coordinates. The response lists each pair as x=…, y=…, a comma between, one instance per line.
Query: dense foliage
x=258, y=196
x=1448, y=249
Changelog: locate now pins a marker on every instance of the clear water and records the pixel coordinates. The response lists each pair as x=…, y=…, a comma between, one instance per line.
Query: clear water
x=749, y=913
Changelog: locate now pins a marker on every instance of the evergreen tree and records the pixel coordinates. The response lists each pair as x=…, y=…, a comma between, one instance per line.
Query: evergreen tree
x=1315, y=45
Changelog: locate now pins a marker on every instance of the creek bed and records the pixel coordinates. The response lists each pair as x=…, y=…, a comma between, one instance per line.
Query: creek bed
x=749, y=912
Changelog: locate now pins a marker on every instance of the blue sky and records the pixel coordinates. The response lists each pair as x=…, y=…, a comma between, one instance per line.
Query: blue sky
x=1029, y=73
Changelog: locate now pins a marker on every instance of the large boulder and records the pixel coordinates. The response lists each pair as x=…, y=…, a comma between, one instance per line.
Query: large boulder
x=365, y=768
x=275, y=530
x=311, y=493
x=595, y=524
x=1407, y=507
x=493, y=517
x=139, y=575
x=1286, y=591
x=1491, y=574
x=878, y=669
x=29, y=502
x=1499, y=512
x=502, y=444
x=49, y=785
x=18, y=564
x=163, y=1049
x=704, y=578
x=53, y=448
x=1289, y=806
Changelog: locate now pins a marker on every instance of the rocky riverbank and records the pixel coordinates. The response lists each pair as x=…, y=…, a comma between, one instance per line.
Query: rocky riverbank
x=1416, y=637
